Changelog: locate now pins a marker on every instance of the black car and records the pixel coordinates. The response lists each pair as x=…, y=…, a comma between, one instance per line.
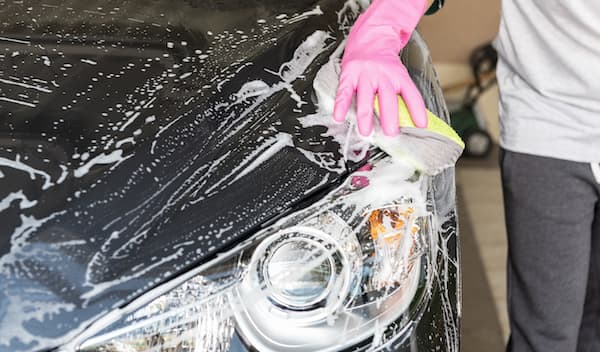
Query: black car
x=170, y=181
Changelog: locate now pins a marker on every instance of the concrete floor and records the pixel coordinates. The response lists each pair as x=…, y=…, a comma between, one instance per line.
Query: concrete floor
x=485, y=321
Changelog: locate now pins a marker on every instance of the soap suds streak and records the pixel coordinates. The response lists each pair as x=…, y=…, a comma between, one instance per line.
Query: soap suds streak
x=279, y=142
x=314, y=12
x=17, y=164
x=19, y=102
x=24, y=202
x=24, y=85
x=139, y=137
x=116, y=156
x=19, y=41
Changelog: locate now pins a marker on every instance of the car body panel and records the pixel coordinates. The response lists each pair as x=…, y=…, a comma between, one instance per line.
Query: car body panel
x=139, y=140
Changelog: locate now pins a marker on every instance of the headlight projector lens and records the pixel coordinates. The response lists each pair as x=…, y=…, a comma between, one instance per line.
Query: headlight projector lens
x=299, y=272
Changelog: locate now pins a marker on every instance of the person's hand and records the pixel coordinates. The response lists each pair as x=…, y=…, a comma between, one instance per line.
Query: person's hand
x=371, y=65
x=385, y=76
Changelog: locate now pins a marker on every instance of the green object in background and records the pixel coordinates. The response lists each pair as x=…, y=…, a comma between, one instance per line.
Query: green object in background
x=466, y=120
x=478, y=142
x=463, y=120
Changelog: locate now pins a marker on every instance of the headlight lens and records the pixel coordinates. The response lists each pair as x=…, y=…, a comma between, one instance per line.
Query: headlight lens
x=296, y=269
x=351, y=268
x=290, y=284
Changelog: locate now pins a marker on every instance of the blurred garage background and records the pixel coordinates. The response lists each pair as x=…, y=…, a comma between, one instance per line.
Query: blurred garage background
x=454, y=35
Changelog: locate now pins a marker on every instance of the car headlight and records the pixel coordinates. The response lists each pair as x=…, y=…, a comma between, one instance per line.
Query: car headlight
x=353, y=267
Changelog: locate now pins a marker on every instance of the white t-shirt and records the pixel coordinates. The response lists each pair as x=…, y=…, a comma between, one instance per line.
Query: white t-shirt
x=549, y=78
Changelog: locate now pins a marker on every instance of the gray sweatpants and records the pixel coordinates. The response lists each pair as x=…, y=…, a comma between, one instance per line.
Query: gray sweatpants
x=553, y=224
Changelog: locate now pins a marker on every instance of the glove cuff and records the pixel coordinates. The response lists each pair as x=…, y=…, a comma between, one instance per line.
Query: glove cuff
x=385, y=27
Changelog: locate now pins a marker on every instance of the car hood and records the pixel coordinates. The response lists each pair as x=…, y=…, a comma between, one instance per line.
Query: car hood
x=139, y=139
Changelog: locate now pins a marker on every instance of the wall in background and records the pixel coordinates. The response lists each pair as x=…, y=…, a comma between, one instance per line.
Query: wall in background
x=459, y=27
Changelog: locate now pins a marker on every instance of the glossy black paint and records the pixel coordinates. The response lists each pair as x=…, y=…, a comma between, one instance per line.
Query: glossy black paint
x=150, y=87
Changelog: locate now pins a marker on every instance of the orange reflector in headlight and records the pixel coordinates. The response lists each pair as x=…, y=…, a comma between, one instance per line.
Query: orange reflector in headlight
x=391, y=223
x=394, y=231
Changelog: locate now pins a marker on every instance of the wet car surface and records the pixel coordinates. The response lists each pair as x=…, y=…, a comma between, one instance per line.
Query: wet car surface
x=142, y=139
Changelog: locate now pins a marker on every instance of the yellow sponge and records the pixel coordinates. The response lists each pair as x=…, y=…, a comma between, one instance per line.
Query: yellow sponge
x=431, y=150
x=435, y=124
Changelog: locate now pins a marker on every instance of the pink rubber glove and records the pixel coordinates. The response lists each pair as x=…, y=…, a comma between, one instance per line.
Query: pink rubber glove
x=371, y=65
